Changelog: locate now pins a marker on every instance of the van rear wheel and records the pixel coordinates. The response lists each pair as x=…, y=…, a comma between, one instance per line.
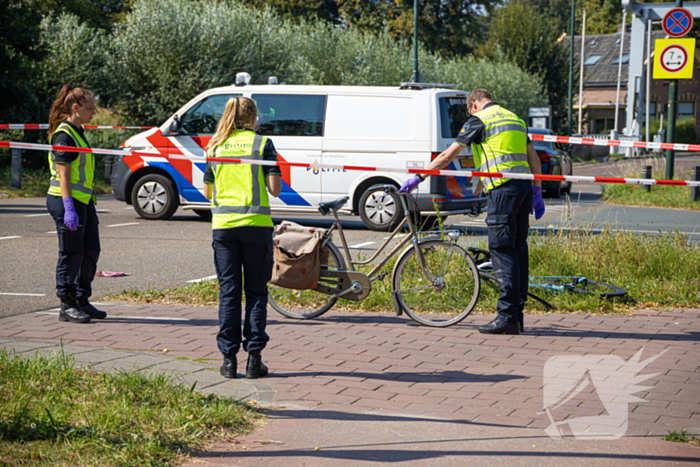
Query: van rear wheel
x=154, y=197
x=379, y=210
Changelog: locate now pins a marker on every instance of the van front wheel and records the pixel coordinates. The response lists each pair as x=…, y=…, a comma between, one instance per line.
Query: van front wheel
x=380, y=210
x=154, y=197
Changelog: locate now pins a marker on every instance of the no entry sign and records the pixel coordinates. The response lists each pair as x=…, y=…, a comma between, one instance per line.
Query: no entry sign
x=673, y=58
x=678, y=22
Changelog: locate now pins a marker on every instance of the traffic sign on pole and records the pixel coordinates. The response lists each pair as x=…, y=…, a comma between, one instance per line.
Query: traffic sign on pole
x=674, y=58
x=677, y=22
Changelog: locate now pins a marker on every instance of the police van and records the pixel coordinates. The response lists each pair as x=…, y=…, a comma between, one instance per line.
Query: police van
x=399, y=127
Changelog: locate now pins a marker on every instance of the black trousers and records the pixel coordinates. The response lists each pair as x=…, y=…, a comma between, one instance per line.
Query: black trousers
x=508, y=223
x=249, y=248
x=78, y=251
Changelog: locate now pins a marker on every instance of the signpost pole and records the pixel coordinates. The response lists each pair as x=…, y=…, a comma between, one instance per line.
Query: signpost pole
x=671, y=131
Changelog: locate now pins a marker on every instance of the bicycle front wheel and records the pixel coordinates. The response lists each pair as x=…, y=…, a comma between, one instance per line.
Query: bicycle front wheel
x=579, y=285
x=308, y=304
x=452, y=293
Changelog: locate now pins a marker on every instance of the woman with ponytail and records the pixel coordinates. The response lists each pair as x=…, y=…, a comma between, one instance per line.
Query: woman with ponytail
x=242, y=232
x=71, y=202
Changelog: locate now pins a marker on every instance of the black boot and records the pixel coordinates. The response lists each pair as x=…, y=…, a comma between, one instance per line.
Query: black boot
x=255, y=368
x=90, y=310
x=71, y=312
x=521, y=323
x=498, y=326
x=229, y=368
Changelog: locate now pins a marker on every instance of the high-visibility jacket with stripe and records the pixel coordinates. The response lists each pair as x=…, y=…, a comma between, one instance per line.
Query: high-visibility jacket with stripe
x=239, y=196
x=505, y=145
x=82, y=169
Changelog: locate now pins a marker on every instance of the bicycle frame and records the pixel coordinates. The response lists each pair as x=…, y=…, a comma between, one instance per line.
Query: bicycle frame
x=412, y=237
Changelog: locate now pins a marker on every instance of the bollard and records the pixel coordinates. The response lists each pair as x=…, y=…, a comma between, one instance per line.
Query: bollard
x=694, y=190
x=16, y=174
x=109, y=162
x=646, y=173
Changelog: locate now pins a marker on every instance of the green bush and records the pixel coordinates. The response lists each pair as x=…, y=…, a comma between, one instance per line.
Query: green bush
x=168, y=51
x=685, y=130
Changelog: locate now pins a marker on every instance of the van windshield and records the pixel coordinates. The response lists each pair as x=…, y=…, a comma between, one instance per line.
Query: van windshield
x=453, y=115
x=203, y=117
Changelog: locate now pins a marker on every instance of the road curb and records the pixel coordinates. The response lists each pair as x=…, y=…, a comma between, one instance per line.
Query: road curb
x=186, y=373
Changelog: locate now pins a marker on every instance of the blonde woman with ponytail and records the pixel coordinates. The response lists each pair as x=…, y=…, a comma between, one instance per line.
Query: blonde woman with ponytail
x=242, y=232
x=71, y=202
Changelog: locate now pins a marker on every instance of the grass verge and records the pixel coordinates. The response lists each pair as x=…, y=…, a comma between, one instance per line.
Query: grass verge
x=53, y=413
x=681, y=437
x=661, y=196
x=659, y=272
x=35, y=183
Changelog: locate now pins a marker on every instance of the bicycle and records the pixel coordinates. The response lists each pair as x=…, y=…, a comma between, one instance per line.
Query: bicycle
x=571, y=284
x=434, y=281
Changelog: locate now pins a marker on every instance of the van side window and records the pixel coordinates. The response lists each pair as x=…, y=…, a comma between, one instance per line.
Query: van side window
x=453, y=115
x=290, y=115
x=205, y=115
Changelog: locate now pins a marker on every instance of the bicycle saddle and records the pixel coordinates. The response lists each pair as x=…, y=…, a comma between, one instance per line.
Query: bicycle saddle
x=325, y=208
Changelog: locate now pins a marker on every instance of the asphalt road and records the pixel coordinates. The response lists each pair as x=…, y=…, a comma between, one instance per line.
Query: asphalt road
x=163, y=254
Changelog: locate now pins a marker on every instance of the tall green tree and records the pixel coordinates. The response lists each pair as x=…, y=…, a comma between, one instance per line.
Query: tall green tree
x=18, y=36
x=298, y=10
x=529, y=38
x=450, y=27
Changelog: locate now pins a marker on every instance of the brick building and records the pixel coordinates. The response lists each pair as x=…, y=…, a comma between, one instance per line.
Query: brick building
x=602, y=53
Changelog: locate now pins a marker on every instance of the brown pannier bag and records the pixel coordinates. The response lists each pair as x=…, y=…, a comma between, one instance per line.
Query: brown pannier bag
x=297, y=256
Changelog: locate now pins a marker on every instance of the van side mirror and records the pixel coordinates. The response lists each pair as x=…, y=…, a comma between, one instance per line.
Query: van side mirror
x=175, y=127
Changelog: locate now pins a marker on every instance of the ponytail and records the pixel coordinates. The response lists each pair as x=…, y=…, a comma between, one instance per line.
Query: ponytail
x=62, y=107
x=239, y=113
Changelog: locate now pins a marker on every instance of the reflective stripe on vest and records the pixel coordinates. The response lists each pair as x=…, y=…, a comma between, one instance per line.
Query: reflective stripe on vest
x=82, y=168
x=239, y=193
x=505, y=146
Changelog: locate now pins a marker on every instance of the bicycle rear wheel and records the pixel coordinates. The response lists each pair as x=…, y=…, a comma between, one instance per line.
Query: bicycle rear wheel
x=581, y=285
x=491, y=280
x=308, y=304
x=446, y=300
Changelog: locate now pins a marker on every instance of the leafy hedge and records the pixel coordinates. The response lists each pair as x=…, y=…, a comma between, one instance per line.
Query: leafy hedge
x=168, y=51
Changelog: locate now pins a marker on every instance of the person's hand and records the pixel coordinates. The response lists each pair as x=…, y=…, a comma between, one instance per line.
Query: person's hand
x=410, y=185
x=70, y=217
x=537, y=202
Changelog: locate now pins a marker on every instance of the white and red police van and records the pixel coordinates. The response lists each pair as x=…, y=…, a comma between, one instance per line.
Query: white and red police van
x=397, y=127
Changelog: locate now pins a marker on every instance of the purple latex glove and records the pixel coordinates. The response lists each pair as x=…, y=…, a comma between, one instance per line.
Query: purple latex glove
x=70, y=217
x=410, y=185
x=537, y=202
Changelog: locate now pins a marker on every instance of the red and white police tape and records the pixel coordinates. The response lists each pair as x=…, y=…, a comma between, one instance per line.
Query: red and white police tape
x=615, y=143
x=452, y=173
x=533, y=137
x=45, y=126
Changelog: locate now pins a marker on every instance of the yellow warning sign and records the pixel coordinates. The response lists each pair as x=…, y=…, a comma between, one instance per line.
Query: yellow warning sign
x=674, y=58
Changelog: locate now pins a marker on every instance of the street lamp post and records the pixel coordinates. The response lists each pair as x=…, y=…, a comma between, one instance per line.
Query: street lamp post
x=415, y=78
x=571, y=64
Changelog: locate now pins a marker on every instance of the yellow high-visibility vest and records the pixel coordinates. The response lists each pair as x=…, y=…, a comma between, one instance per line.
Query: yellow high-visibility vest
x=82, y=169
x=504, y=148
x=239, y=196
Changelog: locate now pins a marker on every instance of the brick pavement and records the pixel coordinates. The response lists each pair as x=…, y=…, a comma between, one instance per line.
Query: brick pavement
x=380, y=365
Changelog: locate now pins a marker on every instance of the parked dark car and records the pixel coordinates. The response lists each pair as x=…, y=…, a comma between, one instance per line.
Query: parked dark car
x=555, y=160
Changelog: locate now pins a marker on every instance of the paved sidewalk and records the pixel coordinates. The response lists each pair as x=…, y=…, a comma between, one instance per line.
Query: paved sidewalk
x=378, y=388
